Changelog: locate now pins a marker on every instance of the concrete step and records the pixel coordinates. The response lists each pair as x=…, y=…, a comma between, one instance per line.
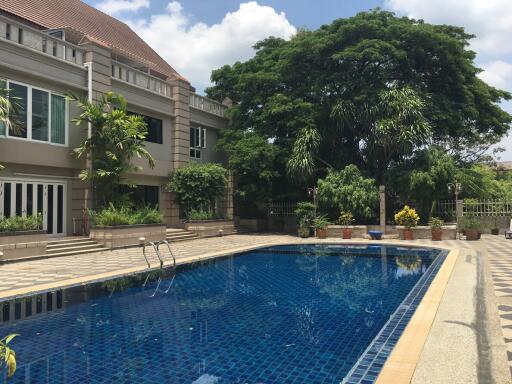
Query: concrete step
x=175, y=230
x=75, y=252
x=70, y=244
x=73, y=247
x=186, y=236
x=69, y=240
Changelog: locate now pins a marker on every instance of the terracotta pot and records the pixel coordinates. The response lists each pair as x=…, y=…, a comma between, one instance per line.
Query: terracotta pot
x=347, y=233
x=472, y=234
x=408, y=234
x=495, y=231
x=321, y=233
x=437, y=234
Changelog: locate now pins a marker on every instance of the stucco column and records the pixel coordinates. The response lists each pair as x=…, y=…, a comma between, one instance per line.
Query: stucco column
x=382, y=210
x=181, y=130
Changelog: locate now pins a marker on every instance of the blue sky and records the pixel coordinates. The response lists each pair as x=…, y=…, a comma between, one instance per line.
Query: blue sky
x=196, y=36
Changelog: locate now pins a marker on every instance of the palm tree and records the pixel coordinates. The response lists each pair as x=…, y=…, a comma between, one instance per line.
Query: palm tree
x=116, y=137
x=8, y=109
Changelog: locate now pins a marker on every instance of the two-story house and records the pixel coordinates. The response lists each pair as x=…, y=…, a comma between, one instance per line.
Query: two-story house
x=51, y=47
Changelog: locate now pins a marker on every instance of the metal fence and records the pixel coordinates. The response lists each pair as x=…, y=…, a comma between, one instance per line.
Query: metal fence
x=276, y=208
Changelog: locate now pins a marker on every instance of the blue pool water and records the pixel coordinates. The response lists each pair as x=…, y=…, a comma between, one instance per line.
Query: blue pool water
x=290, y=314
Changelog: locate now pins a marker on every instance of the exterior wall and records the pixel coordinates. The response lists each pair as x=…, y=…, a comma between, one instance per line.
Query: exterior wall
x=28, y=64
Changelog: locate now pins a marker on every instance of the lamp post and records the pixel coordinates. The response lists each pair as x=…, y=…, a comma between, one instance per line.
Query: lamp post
x=455, y=188
x=312, y=192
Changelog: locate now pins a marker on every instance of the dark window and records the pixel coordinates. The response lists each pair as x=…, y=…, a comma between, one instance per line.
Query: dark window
x=155, y=134
x=8, y=31
x=20, y=118
x=7, y=199
x=20, y=36
x=142, y=195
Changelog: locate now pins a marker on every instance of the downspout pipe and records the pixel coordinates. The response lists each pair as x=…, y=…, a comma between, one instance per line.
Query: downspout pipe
x=88, y=196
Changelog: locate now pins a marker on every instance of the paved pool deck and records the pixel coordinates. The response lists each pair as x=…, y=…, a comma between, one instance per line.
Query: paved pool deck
x=468, y=339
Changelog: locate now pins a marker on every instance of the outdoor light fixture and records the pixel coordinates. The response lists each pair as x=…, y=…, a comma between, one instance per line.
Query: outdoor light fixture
x=455, y=188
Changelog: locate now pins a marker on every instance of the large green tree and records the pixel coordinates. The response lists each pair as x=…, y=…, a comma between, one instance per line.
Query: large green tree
x=290, y=90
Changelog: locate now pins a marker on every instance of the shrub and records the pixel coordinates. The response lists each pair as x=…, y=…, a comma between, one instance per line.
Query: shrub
x=407, y=217
x=148, y=215
x=198, y=185
x=19, y=223
x=305, y=212
x=346, y=218
x=436, y=223
x=348, y=190
x=320, y=222
x=200, y=215
x=112, y=216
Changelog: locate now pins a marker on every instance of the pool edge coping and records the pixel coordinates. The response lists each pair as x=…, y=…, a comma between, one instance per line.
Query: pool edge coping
x=401, y=364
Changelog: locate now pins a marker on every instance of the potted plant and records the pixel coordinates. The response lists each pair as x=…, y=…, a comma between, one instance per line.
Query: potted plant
x=471, y=227
x=409, y=219
x=346, y=218
x=436, y=226
x=305, y=213
x=320, y=224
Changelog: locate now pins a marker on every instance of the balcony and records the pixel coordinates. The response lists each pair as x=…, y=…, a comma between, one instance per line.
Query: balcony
x=140, y=79
x=36, y=40
x=207, y=105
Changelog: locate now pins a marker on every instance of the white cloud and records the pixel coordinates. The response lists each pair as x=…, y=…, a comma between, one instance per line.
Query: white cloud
x=490, y=20
x=497, y=73
x=195, y=49
x=117, y=6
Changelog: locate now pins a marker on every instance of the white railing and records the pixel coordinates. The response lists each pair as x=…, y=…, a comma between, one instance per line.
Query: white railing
x=32, y=38
x=493, y=208
x=207, y=105
x=140, y=79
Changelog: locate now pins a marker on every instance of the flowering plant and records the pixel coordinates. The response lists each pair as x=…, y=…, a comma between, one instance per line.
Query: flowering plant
x=407, y=217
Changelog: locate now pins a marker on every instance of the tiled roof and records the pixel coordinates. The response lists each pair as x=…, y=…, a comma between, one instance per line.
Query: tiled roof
x=94, y=24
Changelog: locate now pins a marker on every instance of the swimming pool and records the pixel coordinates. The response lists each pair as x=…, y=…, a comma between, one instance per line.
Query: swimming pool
x=288, y=314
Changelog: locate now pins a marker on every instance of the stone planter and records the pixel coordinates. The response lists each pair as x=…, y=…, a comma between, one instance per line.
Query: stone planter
x=357, y=231
x=321, y=233
x=120, y=236
x=448, y=232
x=208, y=228
x=18, y=245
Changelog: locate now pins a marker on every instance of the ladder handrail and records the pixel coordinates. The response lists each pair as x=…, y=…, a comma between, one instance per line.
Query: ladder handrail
x=170, y=250
x=144, y=243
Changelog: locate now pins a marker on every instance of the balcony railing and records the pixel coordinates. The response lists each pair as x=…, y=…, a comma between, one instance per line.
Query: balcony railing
x=140, y=79
x=207, y=105
x=32, y=38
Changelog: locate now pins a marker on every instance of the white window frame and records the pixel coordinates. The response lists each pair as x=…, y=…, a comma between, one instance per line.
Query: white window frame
x=29, y=115
x=202, y=142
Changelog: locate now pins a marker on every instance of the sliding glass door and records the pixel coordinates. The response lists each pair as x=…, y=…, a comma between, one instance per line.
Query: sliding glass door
x=22, y=198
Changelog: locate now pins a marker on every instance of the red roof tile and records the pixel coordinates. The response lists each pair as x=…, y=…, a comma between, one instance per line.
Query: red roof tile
x=94, y=24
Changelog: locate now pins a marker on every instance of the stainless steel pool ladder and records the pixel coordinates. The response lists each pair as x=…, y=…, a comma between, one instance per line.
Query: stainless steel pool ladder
x=156, y=247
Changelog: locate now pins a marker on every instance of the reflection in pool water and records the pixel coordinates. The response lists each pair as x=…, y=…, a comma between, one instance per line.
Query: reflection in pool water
x=292, y=314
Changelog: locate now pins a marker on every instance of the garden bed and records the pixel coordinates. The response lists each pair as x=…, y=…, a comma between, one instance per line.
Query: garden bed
x=119, y=236
x=21, y=244
x=207, y=228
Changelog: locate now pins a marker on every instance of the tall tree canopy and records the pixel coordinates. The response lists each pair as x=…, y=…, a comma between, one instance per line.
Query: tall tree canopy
x=290, y=91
